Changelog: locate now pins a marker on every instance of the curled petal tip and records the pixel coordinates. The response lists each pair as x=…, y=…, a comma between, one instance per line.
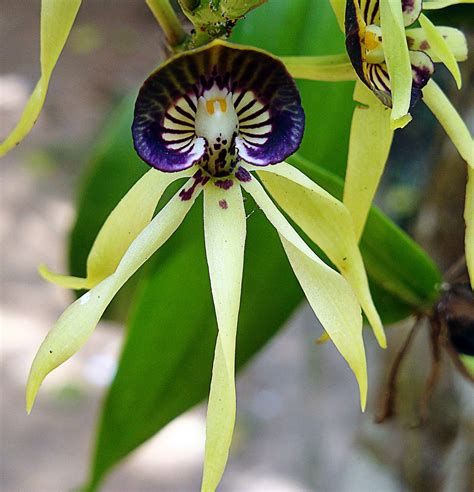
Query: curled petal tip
x=402, y=122
x=66, y=281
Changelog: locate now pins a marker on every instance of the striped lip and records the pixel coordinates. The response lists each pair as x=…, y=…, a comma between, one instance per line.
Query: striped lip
x=215, y=106
x=365, y=48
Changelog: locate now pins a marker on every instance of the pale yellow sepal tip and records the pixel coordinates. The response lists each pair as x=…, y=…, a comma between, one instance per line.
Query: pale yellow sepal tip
x=400, y=122
x=66, y=281
x=31, y=392
x=363, y=388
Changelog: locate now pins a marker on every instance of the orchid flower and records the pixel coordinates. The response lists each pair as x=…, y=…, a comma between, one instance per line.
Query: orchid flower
x=223, y=117
x=393, y=68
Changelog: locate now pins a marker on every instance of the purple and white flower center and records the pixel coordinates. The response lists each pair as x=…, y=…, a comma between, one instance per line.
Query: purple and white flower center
x=225, y=123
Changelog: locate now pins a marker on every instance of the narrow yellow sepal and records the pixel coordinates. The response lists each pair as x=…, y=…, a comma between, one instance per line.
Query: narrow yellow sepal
x=440, y=47
x=225, y=231
x=454, y=38
x=450, y=120
x=397, y=59
x=369, y=146
x=332, y=68
x=79, y=320
x=469, y=219
x=327, y=222
x=329, y=294
x=122, y=226
x=57, y=18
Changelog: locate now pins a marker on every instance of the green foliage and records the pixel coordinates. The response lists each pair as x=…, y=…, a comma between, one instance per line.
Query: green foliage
x=166, y=362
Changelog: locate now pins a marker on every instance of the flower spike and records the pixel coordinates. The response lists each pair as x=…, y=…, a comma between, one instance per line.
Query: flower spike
x=57, y=18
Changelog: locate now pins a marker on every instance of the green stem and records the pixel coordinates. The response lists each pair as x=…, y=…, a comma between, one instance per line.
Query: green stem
x=168, y=20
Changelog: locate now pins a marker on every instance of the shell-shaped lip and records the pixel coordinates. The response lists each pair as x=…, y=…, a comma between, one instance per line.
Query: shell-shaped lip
x=359, y=14
x=265, y=96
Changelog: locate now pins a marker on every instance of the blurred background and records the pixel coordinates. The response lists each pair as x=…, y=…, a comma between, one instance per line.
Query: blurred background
x=299, y=426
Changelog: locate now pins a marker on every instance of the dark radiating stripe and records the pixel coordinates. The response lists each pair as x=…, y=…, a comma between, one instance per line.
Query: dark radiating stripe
x=174, y=131
x=190, y=124
x=239, y=98
x=256, y=114
x=246, y=107
x=184, y=147
x=254, y=135
x=180, y=140
x=190, y=102
x=184, y=113
x=256, y=125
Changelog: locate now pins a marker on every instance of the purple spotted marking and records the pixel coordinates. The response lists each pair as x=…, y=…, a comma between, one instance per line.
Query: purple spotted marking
x=223, y=204
x=224, y=184
x=243, y=175
x=199, y=179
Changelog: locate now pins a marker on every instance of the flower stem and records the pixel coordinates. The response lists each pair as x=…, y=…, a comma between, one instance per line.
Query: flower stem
x=168, y=20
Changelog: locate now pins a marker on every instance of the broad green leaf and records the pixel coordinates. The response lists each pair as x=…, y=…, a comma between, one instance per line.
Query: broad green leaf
x=57, y=18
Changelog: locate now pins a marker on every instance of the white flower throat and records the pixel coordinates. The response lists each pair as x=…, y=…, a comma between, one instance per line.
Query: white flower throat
x=217, y=122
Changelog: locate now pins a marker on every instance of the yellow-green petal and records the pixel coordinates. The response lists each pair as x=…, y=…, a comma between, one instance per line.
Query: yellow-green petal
x=327, y=222
x=339, y=8
x=441, y=4
x=450, y=120
x=454, y=38
x=469, y=219
x=440, y=47
x=397, y=59
x=332, y=68
x=369, y=146
x=225, y=230
x=79, y=320
x=57, y=18
x=122, y=226
x=328, y=293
